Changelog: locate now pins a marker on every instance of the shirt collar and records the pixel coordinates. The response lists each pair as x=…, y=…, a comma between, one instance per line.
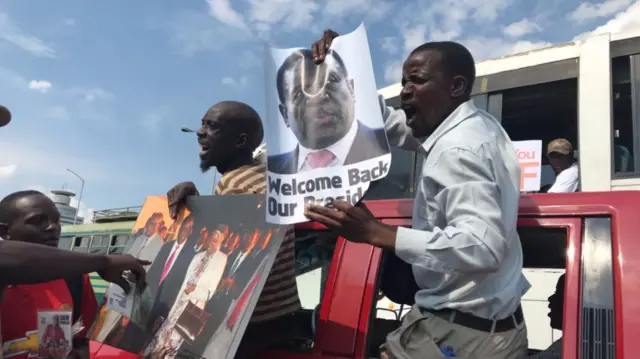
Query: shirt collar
x=339, y=149
x=463, y=112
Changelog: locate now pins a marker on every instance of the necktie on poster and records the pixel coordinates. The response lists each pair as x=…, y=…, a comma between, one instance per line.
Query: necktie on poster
x=320, y=159
x=168, y=264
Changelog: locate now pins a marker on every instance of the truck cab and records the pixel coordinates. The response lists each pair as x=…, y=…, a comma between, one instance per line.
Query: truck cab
x=581, y=235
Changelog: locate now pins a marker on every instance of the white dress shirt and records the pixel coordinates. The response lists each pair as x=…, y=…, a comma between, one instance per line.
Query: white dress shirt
x=177, y=248
x=464, y=247
x=566, y=181
x=339, y=149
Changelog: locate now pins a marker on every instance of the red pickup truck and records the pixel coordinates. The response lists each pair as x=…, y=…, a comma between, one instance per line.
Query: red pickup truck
x=581, y=234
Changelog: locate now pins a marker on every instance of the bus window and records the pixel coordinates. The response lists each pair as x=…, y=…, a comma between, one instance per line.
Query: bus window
x=542, y=112
x=118, y=244
x=99, y=244
x=625, y=97
x=81, y=244
x=65, y=242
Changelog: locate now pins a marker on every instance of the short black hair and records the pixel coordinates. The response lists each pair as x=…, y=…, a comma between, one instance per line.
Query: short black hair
x=456, y=59
x=8, y=204
x=288, y=63
x=243, y=117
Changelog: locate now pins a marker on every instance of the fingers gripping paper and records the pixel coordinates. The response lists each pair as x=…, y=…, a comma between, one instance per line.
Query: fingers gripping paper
x=325, y=134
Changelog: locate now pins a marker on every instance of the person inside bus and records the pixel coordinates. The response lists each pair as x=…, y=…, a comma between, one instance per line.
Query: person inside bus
x=556, y=315
x=464, y=247
x=31, y=216
x=561, y=158
x=230, y=133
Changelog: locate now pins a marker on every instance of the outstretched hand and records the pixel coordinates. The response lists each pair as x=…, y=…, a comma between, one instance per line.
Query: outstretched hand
x=118, y=264
x=354, y=223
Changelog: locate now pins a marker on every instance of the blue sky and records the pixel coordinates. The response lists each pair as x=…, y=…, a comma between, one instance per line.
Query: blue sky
x=103, y=87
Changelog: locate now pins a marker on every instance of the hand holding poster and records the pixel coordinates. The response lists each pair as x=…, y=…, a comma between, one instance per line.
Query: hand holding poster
x=325, y=133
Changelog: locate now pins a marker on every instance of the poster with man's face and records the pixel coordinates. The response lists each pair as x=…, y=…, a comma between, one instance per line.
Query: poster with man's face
x=324, y=129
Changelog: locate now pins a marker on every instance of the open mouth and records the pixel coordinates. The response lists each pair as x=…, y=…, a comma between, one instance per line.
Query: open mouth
x=204, y=149
x=409, y=111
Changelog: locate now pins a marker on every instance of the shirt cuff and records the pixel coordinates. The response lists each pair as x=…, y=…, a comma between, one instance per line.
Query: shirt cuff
x=409, y=244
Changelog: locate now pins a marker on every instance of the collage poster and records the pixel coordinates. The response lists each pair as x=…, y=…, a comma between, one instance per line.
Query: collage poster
x=323, y=127
x=208, y=269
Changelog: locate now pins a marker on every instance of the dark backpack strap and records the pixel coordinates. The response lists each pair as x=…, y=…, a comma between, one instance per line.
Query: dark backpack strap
x=75, y=285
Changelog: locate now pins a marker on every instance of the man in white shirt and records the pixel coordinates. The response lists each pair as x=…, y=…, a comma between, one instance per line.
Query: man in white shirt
x=464, y=249
x=562, y=160
x=317, y=103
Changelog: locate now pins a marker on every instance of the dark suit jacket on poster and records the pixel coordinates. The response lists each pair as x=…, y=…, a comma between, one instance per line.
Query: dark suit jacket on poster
x=167, y=291
x=369, y=143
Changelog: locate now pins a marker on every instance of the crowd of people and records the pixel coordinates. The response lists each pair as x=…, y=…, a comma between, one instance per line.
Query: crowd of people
x=463, y=249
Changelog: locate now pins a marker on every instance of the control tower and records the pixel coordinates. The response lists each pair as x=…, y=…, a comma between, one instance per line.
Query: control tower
x=62, y=200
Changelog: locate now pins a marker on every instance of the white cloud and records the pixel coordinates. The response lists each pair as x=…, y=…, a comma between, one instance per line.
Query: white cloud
x=91, y=94
x=7, y=171
x=235, y=83
x=222, y=10
x=589, y=11
x=626, y=20
x=83, y=211
x=193, y=33
x=521, y=28
x=57, y=113
x=40, y=85
x=290, y=14
x=36, y=160
x=389, y=45
x=13, y=34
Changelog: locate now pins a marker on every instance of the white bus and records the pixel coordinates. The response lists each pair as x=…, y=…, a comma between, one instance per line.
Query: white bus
x=586, y=91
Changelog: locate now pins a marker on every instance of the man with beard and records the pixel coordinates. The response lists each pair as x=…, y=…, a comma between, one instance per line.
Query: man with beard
x=317, y=103
x=230, y=133
x=31, y=217
x=464, y=248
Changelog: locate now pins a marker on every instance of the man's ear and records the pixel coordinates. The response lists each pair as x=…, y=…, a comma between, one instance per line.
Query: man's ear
x=283, y=112
x=4, y=231
x=459, y=86
x=242, y=140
